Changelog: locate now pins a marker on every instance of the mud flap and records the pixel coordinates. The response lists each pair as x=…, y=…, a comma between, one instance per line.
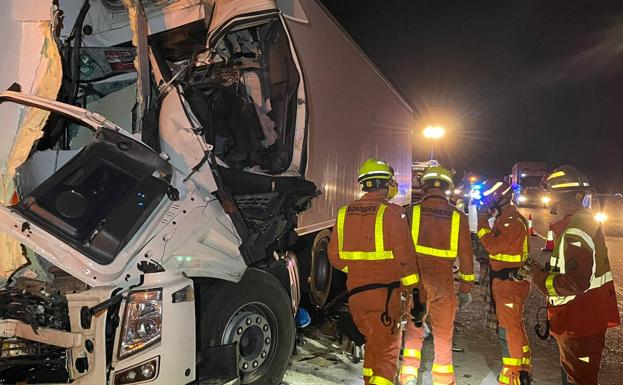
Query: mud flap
x=219, y=362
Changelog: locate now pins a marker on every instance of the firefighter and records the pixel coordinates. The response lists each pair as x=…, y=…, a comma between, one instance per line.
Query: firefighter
x=440, y=234
x=371, y=243
x=507, y=245
x=582, y=303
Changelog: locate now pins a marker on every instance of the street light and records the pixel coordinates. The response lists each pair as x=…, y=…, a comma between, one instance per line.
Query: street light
x=433, y=133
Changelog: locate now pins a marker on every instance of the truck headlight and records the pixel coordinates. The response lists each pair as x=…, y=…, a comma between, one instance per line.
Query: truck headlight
x=522, y=198
x=545, y=200
x=142, y=321
x=601, y=217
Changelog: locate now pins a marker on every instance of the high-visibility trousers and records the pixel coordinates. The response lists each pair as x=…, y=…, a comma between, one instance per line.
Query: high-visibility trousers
x=580, y=357
x=382, y=347
x=510, y=297
x=441, y=303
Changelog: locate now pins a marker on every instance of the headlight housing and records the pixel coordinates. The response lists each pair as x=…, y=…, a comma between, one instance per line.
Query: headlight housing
x=142, y=321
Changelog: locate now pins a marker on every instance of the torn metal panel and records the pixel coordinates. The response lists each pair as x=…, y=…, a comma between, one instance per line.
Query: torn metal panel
x=39, y=70
x=139, y=29
x=226, y=10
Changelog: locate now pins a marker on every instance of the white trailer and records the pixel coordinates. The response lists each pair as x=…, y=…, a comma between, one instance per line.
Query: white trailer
x=163, y=247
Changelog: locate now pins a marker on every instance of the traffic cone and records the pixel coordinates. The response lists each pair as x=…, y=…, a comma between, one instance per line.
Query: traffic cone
x=530, y=228
x=549, y=243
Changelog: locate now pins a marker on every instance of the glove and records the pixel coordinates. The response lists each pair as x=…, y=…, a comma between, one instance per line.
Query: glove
x=464, y=300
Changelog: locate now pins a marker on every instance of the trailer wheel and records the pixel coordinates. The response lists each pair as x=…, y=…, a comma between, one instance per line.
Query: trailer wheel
x=257, y=315
x=321, y=274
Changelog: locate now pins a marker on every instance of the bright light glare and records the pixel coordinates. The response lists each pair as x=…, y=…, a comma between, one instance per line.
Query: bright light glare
x=545, y=200
x=434, y=132
x=457, y=191
x=522, y=199
x=601, y=217
x=448, y=192
x=523, y=175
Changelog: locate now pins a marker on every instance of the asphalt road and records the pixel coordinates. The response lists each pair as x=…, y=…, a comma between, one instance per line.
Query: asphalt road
x=320, y=361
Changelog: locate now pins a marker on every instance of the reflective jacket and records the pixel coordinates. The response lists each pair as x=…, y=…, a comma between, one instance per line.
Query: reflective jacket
x=371, y=243
x=441, y=231
x=507, y=242
x=579, y=286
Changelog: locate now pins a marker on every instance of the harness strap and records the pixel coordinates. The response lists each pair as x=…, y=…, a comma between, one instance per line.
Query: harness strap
x=385, y=318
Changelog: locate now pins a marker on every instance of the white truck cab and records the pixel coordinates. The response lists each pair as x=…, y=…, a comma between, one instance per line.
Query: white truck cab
x=161, y=162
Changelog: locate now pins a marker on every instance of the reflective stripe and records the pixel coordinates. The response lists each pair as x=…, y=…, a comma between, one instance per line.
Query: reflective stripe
x=467, y=277
x=504, y=379
x=379, y=245
x=407, y=370
x=511, y=361
x=444, y=369
x=559, y=262
x=556, y=175
x=506, y=258
x=549, y=284
x=378, y=380
x=452, y=252
x=526, y=348
x=409, y=280
x=345, y=269
x=412, y=353
x=526, y=361
x=367, y=372
x=492, y=189
x=570, y=184
x=482, y=232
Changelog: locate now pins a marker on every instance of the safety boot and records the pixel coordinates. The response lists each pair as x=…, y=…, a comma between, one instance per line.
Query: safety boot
x=524, y=378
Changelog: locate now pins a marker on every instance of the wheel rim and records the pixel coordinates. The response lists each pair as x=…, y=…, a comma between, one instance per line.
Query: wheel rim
x=253, y=327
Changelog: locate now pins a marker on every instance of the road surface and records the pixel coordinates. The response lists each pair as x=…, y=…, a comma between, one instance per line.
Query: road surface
x=321, y=362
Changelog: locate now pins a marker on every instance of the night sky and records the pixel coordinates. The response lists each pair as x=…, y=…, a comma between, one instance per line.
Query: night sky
x=511, y=80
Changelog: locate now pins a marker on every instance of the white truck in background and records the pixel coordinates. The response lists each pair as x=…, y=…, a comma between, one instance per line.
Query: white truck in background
x=162, y=163
x=525, y=179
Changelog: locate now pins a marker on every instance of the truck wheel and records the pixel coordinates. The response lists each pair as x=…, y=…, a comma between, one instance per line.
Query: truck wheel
x=257, y=315
x=321, y=274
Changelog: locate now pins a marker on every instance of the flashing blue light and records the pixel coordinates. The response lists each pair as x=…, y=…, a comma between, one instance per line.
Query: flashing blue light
x=477, y=187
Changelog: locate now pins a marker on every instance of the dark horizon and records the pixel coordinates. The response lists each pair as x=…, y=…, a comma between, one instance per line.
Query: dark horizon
x=512, y=81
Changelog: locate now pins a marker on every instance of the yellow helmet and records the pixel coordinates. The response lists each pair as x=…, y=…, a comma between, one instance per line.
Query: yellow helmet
x=375, y=173
x=438, y=174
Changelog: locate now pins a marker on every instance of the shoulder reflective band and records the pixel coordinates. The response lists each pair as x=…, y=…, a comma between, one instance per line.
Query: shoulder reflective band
x=379, y=245
x=412, y=353
x=378, y=380
x=445, y=369
x=549, y=284
x=482, y=232
x=367, y=372
x=507, y=361
x=467, y=277
x=452, y=252
x=410, y=279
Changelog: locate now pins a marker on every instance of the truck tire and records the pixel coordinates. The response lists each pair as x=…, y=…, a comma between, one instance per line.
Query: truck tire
x=321, y=273
x=256, y=314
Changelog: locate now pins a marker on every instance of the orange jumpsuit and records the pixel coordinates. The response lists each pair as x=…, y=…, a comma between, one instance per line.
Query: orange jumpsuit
x=371, y=242
x=440, y=233
x=507, y=244
x=582, y=300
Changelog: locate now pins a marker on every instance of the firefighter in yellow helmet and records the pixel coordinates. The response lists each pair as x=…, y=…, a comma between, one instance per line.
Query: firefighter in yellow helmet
x=440, y=234
x=371, y=243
